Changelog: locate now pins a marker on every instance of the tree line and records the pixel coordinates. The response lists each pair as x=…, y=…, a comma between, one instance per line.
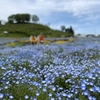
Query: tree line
x=68, y=30
x=22, y=18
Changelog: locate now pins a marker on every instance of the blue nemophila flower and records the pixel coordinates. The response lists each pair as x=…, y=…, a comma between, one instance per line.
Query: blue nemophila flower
x=59, y=98
x=94, y=98
x=99, y=71
x=11, y=97
x=35, y=83
x=97, y=89
x=7, y=94
x=1, y=95
x=90, y=83
x=52, y=98
x=60, y=88
x=64, y=94
x=92, y=89
x=31, y=98
x=83, y=86
x=7, y=82
x=43, y=81
x=45, y=85
x=44, y=90
x=69, y=95
x=76, y=99
x=86, y=93
x=50, y=94
x=3, y=68
x=17, y=82
x=26, y=97
x=37, y=93
x=68, y=80
x=76, y=91
x=30, y=88
x=90, y=97
x=99, y=63
x=85, y=82
x=34, y=98
x=53, y=88
x=6, y=87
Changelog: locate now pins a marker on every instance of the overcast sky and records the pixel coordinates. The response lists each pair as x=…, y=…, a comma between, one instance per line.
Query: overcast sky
x=82, y=15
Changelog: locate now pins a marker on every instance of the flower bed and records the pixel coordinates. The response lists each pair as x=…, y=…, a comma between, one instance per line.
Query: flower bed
x=69, y=71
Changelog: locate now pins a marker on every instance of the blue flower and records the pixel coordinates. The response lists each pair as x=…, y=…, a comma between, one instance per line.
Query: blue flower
x=1, y=95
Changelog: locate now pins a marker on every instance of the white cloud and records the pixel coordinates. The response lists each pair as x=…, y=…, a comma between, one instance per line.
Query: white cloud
x=80, y=8
x=77, y=8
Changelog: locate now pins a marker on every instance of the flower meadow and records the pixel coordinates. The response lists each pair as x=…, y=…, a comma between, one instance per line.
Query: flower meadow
x=69, y=71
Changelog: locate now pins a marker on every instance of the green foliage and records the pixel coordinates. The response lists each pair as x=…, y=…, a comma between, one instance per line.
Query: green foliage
x=81, y=97
x=17, y=66
x=21, y=90
x=61, y=82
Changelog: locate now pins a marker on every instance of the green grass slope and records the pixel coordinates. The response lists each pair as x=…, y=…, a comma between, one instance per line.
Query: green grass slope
x=25, y=30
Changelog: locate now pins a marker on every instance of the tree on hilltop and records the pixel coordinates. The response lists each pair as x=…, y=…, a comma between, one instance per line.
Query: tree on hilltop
x=70, y=31
x=19, y=18
x=11, y=19
x=35, y=18
x=0, y=22
x=22, y=18
x=63, y=28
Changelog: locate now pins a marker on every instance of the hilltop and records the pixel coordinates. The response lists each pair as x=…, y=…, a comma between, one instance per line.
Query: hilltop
x=26, y=29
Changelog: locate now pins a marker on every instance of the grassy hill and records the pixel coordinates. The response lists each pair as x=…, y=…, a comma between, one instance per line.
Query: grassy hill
x=25, y=30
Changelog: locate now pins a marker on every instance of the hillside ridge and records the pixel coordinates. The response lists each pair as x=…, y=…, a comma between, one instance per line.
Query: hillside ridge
x=27, y=29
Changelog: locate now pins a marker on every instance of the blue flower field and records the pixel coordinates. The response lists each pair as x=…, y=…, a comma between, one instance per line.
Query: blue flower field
x=68, y=71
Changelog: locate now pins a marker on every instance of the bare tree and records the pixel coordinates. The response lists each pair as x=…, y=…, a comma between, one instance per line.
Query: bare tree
x=63, y=28
x=35, y=18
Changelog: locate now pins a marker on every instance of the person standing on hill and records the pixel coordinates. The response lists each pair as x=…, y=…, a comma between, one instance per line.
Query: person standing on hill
x=41, y=38
x=33, y=39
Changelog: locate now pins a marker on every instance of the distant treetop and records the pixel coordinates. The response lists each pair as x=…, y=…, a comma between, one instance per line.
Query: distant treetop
x=22, y=18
